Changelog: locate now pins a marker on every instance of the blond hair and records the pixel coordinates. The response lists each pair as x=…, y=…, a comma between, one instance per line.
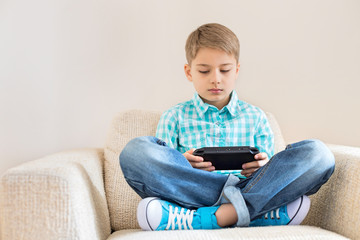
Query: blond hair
x=212, y=35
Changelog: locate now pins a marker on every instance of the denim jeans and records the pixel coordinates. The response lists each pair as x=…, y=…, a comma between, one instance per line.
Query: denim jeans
x=153, y=169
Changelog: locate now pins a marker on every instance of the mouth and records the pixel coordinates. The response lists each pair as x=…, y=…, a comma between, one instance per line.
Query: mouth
x=215, y=90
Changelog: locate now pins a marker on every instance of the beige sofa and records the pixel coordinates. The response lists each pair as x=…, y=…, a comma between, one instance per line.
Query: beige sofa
x=81, y=194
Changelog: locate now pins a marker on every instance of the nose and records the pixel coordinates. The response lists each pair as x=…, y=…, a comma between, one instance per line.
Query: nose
x=216, y=77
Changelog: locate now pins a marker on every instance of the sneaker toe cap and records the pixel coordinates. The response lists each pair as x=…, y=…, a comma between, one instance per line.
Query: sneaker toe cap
x=298, y=209
x=149, y=214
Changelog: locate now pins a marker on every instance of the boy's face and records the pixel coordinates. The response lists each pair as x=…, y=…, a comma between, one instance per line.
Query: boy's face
x=213, y=73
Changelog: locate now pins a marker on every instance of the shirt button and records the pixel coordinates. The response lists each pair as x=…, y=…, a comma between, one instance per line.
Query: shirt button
x=218, y=135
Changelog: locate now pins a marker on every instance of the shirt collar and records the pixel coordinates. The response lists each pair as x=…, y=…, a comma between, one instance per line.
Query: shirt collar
x=232, y=107
x=199, y=105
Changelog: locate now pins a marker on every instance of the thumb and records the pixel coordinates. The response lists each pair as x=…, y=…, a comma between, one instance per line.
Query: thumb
x=191, y=151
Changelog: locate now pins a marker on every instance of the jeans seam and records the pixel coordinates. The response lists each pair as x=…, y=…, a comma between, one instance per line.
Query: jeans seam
x=257, y=179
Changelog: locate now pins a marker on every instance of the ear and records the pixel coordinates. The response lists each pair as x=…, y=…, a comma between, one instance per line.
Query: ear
x=187, y=70
x=237, y=69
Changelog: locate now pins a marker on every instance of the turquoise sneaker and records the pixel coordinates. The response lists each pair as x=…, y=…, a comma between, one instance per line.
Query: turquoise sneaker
x=292, y=214
x=154, y=214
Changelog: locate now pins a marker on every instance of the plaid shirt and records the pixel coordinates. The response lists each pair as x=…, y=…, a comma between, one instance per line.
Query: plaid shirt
x=195, y=124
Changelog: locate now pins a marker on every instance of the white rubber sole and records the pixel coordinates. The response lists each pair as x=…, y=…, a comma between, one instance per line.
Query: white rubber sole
x=298, y=209
x=142, y=214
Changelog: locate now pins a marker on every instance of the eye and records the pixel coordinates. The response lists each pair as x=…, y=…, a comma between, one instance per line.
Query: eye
x=225, y=71
x=204, y=72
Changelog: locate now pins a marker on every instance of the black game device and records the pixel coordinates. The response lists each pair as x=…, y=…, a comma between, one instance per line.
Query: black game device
x=227, y=158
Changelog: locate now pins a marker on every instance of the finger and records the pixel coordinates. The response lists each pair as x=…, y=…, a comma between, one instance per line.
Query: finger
x=261, y=156
x=201, y=165
x=247, y=175
x=191, y=151
x=192, y=158
x=248, y=172
x=209, y=169
x=255, y=164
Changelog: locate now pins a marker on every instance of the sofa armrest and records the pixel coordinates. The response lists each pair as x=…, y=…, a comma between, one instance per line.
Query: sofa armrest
x=60, y=196
x=336, y=206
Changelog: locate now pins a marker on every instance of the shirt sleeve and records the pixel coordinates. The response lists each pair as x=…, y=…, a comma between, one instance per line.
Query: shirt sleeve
x=264, y=137
x=167, y=129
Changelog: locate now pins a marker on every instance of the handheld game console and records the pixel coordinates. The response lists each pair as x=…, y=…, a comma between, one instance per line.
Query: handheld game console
x=227, y=158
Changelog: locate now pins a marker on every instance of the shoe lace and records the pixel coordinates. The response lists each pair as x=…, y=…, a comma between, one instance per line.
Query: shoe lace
x=277, y=214
x=184, y=219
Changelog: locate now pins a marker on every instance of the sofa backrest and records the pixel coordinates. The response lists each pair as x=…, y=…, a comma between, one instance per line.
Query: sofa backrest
x=122, y=200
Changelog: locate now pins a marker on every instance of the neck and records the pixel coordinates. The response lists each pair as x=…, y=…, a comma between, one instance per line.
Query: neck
x=218, y=104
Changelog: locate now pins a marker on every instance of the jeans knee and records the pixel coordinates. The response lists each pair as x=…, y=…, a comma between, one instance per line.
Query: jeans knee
x=320, y=155
x=129, y=156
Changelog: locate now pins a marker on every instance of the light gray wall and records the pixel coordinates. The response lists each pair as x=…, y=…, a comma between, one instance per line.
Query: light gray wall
x=67, y=67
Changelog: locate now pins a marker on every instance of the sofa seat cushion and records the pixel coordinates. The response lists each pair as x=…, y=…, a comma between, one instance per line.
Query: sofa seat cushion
x=253, y=233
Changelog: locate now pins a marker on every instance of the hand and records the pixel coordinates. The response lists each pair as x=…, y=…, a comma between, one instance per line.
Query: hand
x=198, y=162
x=251, y=167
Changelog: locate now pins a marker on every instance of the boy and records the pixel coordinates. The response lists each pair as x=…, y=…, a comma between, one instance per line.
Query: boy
x=182, y=191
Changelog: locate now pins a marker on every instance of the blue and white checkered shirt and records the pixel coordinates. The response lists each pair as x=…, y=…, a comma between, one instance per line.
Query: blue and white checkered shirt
x=195, y=124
